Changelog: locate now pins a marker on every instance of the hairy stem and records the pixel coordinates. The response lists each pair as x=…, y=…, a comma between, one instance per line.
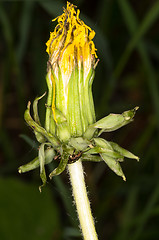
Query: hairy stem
x=81, y=200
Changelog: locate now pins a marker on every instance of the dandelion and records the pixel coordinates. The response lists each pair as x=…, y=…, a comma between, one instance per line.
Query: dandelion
x=72, y=61
x=71, y=133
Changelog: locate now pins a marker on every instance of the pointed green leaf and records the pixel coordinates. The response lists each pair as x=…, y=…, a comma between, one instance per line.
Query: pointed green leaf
x=51, y=138
x=39, y=137
x=113, y=154
x=91, y=158
x=79, y=143
x=113, y=165
x=61, y=167
x=123, y=151
x=90, y=132
x=94, y=150
x=115, y=121
x=42, y=165
x=35, y=109
x=29, y=166
x=110, y=123
x=106, y=151
x=49, y=155
x=102, y=143
x=103, y=146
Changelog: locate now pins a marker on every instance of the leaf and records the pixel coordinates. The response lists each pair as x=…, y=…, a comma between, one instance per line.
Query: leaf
x=49, y=155
x=27, y=214
x=91, y=158
x=103, y=146
x=39, y=137
x=123, y=151
x=110, y=123
x=108, y=152
x=42, y=165
x=102, y=143
x=94, y=150
x=130, y=20
x=139, y=32
x=113, y=164
x=79, y=143
x=50, y=137
x=35, y=109
x=24, y=25
x=90, y=132
x=115, y=121
x=61, y=167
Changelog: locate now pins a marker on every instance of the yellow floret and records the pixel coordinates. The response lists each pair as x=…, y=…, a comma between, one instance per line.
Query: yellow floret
x=71, y=38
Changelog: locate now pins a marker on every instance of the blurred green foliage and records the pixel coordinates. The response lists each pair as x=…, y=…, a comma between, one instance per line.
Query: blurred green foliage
x=127, y=39
x=25, y=213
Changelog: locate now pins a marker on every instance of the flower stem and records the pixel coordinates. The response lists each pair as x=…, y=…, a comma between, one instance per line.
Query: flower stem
x=81, y=200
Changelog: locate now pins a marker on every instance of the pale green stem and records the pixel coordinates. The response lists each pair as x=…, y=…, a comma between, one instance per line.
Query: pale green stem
x=81, y=200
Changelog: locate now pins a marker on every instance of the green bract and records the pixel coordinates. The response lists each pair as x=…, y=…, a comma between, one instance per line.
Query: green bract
x=57, y=143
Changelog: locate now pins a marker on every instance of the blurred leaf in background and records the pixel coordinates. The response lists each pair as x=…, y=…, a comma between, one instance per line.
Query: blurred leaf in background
x=127, y=39
x=27, y=214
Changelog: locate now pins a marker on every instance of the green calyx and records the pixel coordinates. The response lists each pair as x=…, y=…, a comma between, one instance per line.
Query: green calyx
x=71, y=132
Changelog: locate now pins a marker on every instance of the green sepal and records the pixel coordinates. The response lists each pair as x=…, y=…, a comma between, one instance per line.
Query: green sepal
x=49, y=120
x=102, y=143
x=42, y=165
x=62, y=165
x=114, y=165
x=79, y=143
x=52, y=139
x=35, y=109
x=94, y=150
x=108, y=152
x=113, y=122
x=103, y=146
x=63, y=131
x=123, y=151
x=49, y=155
x=40, y=138
x=90, y=132
x=110, y=123
x=88, y=105
x=60, y=118
x=91, y=158
x=59, y=101
x=74, y=110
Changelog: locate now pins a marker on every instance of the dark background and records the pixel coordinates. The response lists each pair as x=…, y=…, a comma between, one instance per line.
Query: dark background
x=127, y=39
